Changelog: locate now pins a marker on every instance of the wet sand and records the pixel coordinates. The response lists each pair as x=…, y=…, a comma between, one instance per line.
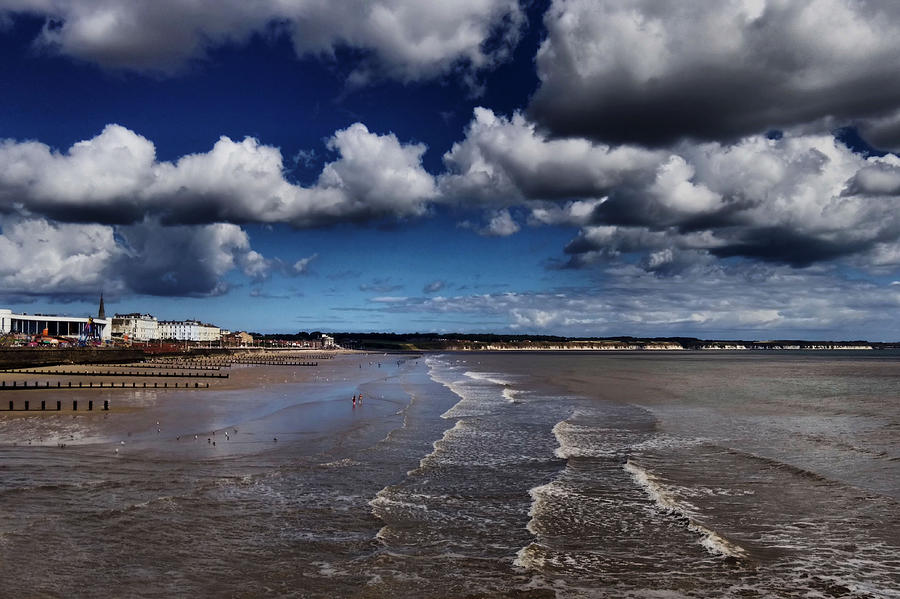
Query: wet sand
x=256, y=408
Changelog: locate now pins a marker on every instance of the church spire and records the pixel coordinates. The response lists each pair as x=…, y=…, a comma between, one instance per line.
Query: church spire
x=101, y=314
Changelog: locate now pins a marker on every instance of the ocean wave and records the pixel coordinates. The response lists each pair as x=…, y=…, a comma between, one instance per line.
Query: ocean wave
x=436, y=447
x=584, y=441
x=491, y=377
x=710, y=539
x=511, y=395
x=388, y=499
x=342, y=463
x=783, y=466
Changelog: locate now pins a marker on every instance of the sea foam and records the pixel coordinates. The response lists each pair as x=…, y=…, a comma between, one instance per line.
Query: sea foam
x=709, y=539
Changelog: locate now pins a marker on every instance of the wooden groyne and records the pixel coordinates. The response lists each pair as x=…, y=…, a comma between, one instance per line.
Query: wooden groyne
x=151, y=366
x=26, y=406
x=255, y=361
x=47, y=386
x=188, y=375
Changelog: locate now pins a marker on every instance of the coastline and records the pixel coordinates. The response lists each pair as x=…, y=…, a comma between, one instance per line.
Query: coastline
x=264, y=402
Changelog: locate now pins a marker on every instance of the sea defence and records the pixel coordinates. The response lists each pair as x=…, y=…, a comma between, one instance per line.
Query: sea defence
x=28, y=357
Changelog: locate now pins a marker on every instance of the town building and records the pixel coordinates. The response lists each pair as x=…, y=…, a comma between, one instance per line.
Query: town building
x=135, y=327
x=188, y=330
x=238, y=339
x=50, y=325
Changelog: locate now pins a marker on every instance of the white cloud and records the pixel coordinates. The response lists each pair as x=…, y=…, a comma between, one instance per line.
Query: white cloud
x=301, y=266
x=501, y=224
x=41, y=257
x=434, y=287
x=800, y=199
x=388, y=299
x=576, y=213
x=506, y=160
x=773, y=302
x=408, y=40
x=115, y=177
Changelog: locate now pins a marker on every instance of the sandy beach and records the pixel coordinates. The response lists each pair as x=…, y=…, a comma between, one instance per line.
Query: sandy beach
x=252, y=410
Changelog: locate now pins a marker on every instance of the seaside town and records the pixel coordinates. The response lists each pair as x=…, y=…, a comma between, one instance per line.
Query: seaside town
x=145, y=332
x=135, y=330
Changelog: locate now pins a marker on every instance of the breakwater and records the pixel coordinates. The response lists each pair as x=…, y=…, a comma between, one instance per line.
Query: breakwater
x=27, y=357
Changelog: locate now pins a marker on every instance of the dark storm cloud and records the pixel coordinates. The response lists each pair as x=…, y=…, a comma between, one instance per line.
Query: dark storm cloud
x=787, y=246
x=652, y=73
x=180, y=261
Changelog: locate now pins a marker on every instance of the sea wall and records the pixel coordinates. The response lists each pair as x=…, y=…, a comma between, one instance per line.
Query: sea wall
x=38, y=356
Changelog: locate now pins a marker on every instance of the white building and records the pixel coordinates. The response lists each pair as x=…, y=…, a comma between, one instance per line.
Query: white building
x=188, y=330
x=54, y=326
x=137, y=327
x=209, y=333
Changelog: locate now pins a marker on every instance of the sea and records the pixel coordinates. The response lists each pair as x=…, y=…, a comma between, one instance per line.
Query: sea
x=473, y=475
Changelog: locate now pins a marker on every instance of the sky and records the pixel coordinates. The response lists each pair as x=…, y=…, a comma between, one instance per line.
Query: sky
x=569, y=167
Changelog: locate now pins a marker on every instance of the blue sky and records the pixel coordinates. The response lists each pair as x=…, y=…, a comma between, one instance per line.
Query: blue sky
x=564, y=167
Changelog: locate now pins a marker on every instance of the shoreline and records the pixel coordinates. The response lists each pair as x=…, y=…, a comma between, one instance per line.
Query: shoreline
x=273, y=406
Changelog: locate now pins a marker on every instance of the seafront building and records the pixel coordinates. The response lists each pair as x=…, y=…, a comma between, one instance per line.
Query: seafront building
x=53, y=326
x=135, y=327
x=238, y=339
x=189, y=330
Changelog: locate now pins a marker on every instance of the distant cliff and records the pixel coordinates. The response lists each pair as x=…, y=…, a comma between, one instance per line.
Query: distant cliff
x=467, y=342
